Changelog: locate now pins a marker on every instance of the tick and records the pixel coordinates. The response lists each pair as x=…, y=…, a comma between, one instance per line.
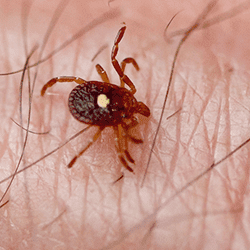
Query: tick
x=104, y=104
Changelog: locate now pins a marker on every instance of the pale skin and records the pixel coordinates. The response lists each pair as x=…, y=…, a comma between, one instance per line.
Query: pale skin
x=53, y=207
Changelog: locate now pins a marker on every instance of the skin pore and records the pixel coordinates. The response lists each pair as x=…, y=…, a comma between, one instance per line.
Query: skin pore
x=53, y=207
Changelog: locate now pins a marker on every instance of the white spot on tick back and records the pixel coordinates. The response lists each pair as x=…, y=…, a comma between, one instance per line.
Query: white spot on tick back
x=103, y=101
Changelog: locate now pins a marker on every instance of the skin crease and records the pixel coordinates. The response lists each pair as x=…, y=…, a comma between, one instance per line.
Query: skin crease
x=53, y=207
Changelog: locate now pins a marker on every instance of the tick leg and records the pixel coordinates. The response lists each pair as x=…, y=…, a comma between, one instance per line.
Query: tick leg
x=129, y=60
x=132, y=123
x=123, y=77
x=143, y=109
x=128, y=156
x=122, y=175
x=125, y=62
x=120, y=150
x=102, y=73
x=127, y=127
x=53, y=81
x=135, y=140
x=125, y=164
x=96, y=136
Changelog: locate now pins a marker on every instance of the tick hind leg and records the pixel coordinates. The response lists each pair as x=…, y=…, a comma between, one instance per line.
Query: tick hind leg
x=53, y=81
x=122, y=150
x=124, y=78
x=96, y=136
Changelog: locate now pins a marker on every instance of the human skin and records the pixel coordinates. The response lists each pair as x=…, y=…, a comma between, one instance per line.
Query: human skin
x=53, y=207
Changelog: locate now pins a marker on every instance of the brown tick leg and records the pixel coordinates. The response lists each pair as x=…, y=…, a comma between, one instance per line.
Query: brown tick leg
x=135, y=140
x=124, y=78
x=128, y=156
x=122, y=175
x=132, y=123
x=53, y=81
x=127, y=127
x=123, y=66
x=102, y=73
x=129, y=60
x=96, y=136
x=125, y=164
x=143, y=109
x=119, y=148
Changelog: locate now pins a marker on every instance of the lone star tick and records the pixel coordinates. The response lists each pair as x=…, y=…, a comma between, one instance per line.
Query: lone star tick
x=104, y=104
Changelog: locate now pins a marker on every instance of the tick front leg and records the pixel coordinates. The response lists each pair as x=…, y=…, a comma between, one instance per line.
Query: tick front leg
x=123, y=77
x=129, y=60
x=123, y=66
x=143, y=109
x=53, y=81
x=103, y=74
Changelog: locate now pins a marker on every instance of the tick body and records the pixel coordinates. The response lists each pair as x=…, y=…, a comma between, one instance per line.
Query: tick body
x=106, y=105
x=102, y=104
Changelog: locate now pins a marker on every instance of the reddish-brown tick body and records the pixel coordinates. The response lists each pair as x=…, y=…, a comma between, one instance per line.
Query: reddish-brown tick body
x=83, y=103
